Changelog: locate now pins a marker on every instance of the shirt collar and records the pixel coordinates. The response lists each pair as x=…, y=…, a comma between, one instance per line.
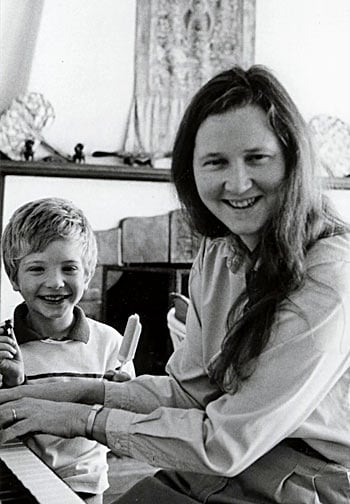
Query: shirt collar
x=79, y=331
x=239, y=254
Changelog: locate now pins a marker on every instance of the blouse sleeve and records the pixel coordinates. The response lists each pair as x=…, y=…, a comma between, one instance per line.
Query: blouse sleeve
x=308, y=353
x=186, y=384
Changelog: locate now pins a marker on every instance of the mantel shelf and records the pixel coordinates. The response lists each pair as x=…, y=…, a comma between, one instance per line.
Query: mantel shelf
x=112, y=172
x=337, y=183
x=73, y=170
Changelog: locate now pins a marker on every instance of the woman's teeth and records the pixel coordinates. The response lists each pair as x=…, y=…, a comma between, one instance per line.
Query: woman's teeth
x=247, y=203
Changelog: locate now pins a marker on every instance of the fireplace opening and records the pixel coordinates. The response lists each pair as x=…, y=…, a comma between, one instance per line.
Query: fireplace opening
x=145, y=293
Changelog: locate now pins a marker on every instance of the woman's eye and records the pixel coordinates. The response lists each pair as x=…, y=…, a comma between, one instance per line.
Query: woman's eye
x=214, y=162
x=258, y=158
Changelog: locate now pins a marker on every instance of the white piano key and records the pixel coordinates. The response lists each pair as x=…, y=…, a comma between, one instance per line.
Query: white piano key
x=36, y=476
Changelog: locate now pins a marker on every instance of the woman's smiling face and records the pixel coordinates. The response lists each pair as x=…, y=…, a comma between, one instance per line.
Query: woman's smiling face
x=238, y=167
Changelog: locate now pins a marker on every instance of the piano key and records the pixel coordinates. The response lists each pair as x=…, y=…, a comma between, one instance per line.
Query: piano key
x=44, y=485
x=11, y=489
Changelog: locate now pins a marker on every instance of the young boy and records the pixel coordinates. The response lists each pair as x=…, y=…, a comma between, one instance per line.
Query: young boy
x=49, y=252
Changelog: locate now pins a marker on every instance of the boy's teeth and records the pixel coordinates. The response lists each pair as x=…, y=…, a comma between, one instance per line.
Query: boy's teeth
x=244, y=203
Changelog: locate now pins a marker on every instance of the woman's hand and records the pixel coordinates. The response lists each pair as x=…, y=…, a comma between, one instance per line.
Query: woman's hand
x=11, y=361
x=75, y=390
x=33, y=416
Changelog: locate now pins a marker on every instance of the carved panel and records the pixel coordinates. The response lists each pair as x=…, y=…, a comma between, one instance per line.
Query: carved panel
x=181, y=44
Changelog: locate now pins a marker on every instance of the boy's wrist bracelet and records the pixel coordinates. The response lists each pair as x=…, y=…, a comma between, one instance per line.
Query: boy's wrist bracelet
x=91, y=420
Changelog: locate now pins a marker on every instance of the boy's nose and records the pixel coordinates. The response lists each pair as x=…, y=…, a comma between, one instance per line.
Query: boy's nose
x=238, y=179
x=54, y=280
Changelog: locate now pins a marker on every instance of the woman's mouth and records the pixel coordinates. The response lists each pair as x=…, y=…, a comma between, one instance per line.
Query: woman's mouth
x=244, y=203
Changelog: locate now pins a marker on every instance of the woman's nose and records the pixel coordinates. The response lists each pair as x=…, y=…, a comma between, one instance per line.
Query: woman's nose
x=54, y=280
x=237, y=178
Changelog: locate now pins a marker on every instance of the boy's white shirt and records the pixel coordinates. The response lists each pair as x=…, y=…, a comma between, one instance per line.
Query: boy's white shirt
x=80, y=462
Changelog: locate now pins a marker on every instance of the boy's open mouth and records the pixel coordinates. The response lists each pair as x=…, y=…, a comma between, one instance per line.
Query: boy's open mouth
x=54, y=298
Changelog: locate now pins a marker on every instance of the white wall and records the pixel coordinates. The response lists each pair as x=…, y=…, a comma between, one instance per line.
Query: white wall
x=84, y=59
x=83, y=63
x=306, y=42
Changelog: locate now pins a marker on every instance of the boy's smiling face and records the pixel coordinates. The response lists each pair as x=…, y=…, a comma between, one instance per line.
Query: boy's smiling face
x=53, y=281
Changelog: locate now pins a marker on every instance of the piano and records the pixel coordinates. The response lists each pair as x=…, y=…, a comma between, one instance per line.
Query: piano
x=25, y=479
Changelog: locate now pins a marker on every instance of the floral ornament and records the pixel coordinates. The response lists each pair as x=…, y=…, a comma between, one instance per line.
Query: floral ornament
x=332, y=138
x=236, y=254
x=23, y=120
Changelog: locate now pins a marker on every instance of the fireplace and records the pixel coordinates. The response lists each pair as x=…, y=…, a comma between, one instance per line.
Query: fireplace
x=141, y=263
x=145, y=290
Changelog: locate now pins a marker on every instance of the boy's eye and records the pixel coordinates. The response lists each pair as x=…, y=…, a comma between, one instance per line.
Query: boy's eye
x=70, y=269
x=36, y=269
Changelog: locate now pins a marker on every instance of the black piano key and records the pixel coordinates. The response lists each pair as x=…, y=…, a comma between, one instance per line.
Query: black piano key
x=11, y=489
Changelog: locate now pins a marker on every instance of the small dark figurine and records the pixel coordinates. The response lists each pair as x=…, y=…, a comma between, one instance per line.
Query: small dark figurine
x=28, y=151
x=79, y=155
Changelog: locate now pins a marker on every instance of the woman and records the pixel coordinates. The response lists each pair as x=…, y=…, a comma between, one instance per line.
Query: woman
x=255, y=407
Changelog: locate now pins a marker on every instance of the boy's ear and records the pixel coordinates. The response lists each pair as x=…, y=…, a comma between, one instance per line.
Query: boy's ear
x=87, y=278
x=14, y=284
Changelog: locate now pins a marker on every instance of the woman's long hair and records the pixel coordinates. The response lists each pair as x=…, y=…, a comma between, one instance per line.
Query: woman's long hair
x=302, y=215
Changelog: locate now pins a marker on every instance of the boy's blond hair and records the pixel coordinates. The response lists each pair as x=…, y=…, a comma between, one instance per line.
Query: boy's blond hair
x=36, y=224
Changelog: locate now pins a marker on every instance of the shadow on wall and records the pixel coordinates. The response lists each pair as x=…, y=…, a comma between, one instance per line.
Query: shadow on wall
x=20, y=20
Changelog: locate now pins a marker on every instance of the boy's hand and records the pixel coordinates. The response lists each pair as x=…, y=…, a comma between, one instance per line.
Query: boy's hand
x=116, y=376
x=11, y=361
